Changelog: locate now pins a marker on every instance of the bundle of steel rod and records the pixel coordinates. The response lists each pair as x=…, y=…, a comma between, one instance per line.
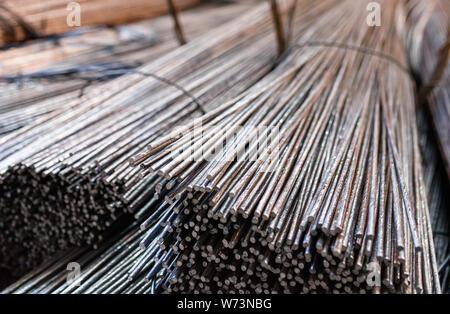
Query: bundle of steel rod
x=428, y=40
x=103, y=270
x=101, y=41
x=109, y=269
x=65, y=178
x=114, y=266
x=43, y=69
x=427, y=32
x=31, y=19
x=329, y=189
x=117, y=266
x=437, y=185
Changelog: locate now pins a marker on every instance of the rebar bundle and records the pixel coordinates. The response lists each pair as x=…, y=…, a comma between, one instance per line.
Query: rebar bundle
x=65, y=179
x=109, y=269
x=437, y=185
x=30, y=19
x=331, y=187
x=221, y=168
x=59, y=73
x=104, y=270
x=427, y=36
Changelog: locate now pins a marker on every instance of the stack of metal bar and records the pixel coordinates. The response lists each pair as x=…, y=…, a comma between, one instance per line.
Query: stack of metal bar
x=427, y=38
x=334, y=195
x=42, y=76
x=65, y=178
x=219, y=168
x=437, y=185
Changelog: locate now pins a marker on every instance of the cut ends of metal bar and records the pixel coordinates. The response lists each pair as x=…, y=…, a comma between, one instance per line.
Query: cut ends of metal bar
x=235, y=164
